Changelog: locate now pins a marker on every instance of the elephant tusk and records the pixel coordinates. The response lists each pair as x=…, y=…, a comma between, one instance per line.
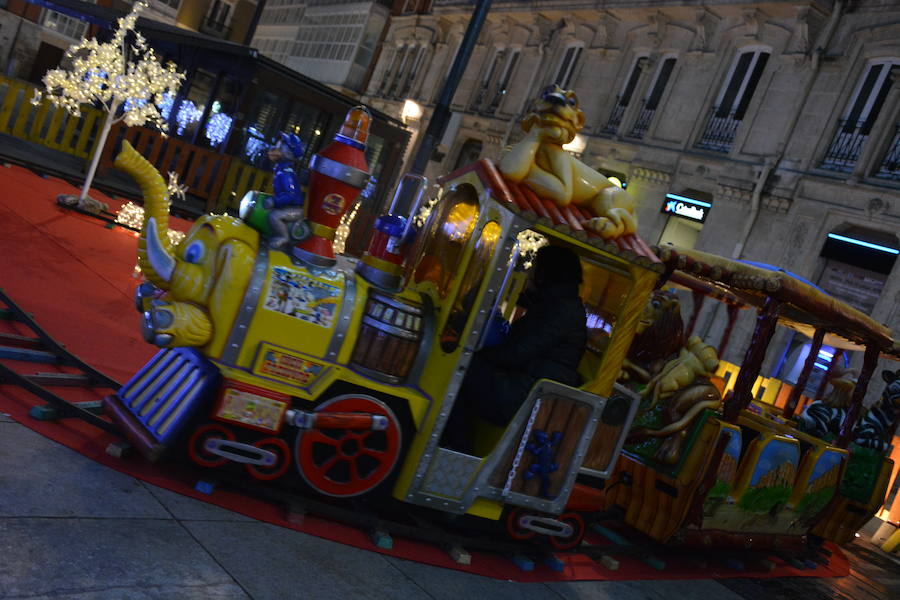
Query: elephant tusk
x=161, y=261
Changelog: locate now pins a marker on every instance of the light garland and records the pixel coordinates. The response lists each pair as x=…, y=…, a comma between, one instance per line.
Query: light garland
x=343, y=230
x=100, y=76
x=256, y=144
x=188, y=113
x=217, y=128
x=176, y=189
x=130, y=215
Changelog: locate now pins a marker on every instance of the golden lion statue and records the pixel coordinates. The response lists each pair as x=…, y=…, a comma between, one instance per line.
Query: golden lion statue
x=540, y=163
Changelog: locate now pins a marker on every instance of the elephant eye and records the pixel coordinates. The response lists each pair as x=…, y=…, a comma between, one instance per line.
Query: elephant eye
x=194, y=252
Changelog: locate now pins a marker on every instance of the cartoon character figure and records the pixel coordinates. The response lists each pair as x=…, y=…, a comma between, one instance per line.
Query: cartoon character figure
x=542, y=446
x=287, y=203
x=540, y=163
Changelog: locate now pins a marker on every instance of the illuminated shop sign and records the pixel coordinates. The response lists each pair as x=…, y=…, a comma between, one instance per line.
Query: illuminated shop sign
x=687, y=208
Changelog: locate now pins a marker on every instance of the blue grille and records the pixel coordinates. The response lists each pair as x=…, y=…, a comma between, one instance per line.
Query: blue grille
x=170, y=390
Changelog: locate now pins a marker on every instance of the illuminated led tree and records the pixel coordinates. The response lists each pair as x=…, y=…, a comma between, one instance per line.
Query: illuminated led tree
x=121, y=77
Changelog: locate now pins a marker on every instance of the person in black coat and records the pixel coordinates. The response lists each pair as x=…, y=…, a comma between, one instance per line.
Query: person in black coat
x=546, y=343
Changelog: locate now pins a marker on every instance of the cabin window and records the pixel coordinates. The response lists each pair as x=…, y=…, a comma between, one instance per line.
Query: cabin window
x=484, y=250
x=440, y=246
x=604, y=291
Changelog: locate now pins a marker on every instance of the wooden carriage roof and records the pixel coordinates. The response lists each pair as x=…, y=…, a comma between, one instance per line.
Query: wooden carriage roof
x=569, y=220
x=805, y=307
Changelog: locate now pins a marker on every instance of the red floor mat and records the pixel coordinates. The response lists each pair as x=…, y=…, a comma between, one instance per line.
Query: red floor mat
x=74, y=274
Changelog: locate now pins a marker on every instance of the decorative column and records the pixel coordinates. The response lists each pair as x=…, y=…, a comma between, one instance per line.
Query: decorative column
x=870, y=361
x=756, y=353
x=791, y=404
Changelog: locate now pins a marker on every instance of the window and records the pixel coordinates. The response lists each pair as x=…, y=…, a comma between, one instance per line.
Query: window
x=449, y=227
x=503, y=87
x=418, y=56
x=858, y=118
x=642, y=123
x=733, y=100
x=394, y=69
x=67, y=26
x=485, y=247
x=218, y=15
x=567, y=67
x=487, y=80
x=624, y=97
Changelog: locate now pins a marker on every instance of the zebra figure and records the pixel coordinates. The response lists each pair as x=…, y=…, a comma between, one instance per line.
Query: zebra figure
x=876, y=429
x=823, y=418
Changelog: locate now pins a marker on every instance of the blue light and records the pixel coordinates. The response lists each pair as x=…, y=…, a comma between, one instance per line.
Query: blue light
x=217, y=128
x=849, y=240
x=686, y=199
x=821, y=366
x=825, y=354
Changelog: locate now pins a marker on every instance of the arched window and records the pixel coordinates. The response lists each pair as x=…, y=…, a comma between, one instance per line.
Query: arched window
x=859, y=115
x=567, y=66
x=439, y=248
x=733, y=100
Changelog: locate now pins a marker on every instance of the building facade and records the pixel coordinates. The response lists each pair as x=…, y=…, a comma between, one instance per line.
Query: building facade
x=333, y=41
x=765, y=131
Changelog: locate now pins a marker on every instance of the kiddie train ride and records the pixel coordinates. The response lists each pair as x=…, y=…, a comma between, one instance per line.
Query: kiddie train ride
x=283, y=366
x=280, y=366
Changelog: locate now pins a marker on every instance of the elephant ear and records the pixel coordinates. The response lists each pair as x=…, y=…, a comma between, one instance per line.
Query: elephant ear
x=234, y=267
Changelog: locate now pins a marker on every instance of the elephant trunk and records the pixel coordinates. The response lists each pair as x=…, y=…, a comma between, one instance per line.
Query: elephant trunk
x=155, y=256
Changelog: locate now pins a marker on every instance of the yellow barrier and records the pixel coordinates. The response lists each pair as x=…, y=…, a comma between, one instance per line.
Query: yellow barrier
x=240, y=179
x=46, y=124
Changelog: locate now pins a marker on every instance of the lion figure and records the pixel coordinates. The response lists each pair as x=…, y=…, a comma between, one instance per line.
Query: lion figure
x=676, y=372
x=540, y=163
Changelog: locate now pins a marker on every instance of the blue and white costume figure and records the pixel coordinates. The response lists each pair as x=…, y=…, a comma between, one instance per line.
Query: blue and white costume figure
x=876, y=429
x=287, y=202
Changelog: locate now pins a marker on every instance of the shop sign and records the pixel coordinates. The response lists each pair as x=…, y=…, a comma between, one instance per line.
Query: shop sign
x=687, y=208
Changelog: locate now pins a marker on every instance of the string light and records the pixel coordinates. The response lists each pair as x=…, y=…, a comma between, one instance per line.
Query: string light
x=176, y=189
x=255, y=143
x=217, y=128
x=130, y=215
x=188, y=113
x=343, y=230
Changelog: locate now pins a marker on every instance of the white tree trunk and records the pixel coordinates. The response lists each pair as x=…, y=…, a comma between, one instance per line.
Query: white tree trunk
x=98, y=151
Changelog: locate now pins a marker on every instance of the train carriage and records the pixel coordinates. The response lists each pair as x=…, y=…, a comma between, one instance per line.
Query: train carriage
x=750, y=478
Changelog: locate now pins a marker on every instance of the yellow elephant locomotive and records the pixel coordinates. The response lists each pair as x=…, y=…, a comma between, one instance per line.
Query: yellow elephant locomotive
x=279, y=365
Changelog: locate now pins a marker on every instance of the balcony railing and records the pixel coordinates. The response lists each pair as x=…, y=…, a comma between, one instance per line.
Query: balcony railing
x=615, y=119
x=219, y=29
x=845, y=147
x=719, y=132
x=642, y=123
x=890, y=164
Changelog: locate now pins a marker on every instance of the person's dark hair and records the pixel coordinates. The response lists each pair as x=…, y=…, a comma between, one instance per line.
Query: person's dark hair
x=555, y=264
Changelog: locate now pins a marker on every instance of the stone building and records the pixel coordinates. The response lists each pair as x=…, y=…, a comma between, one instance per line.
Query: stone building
x=770, y=126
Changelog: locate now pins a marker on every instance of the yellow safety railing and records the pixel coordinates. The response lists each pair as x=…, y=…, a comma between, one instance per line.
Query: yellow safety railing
x=240, y=179
x=46, y=124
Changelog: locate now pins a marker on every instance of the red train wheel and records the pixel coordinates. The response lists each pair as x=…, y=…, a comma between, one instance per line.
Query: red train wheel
x=197, y=445
x=514, y=529
x=344, y=462
x=282, y=460
x=575, y=521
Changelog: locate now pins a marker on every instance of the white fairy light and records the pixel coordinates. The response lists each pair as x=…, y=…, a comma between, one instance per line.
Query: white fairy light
x=175, y=188
x=217, y=128
x=122, y=78
x=343, y=230
x=130, y=215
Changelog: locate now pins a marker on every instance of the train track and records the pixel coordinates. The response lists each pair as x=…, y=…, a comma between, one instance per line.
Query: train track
x=30, y=348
